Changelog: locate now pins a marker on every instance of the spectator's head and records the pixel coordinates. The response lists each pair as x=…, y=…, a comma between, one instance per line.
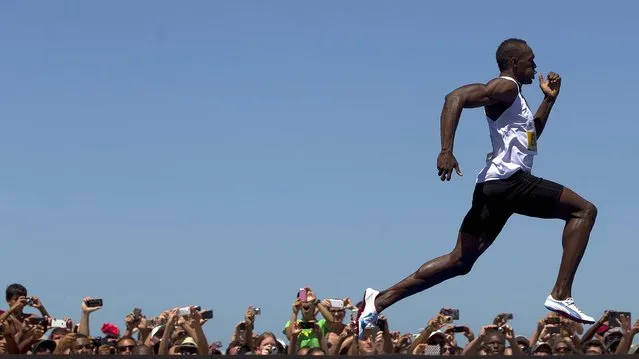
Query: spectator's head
x=125, y=346
x=524, y=344
x=64, y=346
x=594, y=347
x=3, y=345
x=561, y=347
x=367, y=345
x=13, y=292
x=143, y=350
x=316, y=351
x=338, y=313
x=436, y=338
x=266, y=344
x=303, y=351
x=494, y=343
x=233, y=347
x=107, y=349
x=83, y=345
x=448, y=348
x=57, y=334
x=542, y=349
x=187, y=347
x=308, y=306
x=43, y=347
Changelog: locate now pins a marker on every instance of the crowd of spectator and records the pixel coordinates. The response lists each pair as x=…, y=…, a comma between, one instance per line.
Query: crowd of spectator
x=316, y=327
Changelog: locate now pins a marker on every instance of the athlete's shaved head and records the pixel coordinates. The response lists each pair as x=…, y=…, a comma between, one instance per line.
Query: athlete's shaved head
x=508, y=49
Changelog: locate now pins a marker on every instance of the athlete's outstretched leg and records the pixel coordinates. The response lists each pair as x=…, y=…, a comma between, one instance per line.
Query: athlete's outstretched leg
x=580, y=216
x=458, y=262
x=478, y=231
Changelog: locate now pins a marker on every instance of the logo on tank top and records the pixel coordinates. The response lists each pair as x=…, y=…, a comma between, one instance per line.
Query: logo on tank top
x=531, y=134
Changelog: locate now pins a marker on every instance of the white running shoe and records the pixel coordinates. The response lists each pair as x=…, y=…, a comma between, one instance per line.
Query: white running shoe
x=568, y=308
x=368, y=315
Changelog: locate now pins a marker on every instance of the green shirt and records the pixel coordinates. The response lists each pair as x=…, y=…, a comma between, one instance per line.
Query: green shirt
x=307, y=338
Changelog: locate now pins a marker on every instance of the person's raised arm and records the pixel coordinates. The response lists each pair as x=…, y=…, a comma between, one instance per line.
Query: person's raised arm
x=83, y=328
x=550, y=87
x=468, y=96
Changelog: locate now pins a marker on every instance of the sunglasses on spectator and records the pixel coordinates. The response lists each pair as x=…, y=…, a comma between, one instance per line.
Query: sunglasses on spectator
x=125, y=348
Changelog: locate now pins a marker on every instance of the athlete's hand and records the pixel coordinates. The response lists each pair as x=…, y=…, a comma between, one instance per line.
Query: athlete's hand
x=551, y=85
x=446, y=162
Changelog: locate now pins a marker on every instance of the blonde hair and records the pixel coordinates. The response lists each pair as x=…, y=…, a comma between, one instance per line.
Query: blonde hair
x=66, y=344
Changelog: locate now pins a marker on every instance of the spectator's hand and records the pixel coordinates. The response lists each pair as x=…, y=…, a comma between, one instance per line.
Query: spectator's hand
x=7, y=329
x=131, y=322
x=174, y=315
x=419, y=349
x=500, y=320
x=624, y=323
x=69, y=322
x=87, y=309
x=395, y=335
x=382, y=324
x=348, y=304
x=19, y=305
x=36, y=303
x=297, y=305
x=181, y=320
x=439, y=321
x=604, y=317
x=486, y=328
x=405, y=340
x=249, y=316
x=38, y=331
x=310, y=295
x=378, y=342
x=508, y=332
x=347, y=332
x=296, y=329
x=195, y=318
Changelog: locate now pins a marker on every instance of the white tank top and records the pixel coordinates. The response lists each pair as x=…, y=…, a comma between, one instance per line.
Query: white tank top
x=514, y=141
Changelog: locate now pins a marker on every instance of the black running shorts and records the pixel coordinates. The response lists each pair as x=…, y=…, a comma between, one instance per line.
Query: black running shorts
x=522, y=193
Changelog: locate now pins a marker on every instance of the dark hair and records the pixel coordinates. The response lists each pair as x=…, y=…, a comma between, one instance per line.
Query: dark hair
x=15, y=290
x=594, y=343
x=125, y=337
x=142, y=350
x=61, y=331
x=244, y=350
x=507, y=50
x=315, y=350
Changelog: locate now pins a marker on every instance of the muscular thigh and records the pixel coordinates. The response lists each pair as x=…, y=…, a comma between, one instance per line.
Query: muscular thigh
x=484, y=221
x=528, y=195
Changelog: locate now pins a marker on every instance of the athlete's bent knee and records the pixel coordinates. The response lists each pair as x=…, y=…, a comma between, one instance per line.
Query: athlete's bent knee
x=589, y=212
x=463, y=267
x=461, y=264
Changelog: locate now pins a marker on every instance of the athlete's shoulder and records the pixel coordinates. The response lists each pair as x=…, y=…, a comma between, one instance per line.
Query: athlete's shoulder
x=503, y=90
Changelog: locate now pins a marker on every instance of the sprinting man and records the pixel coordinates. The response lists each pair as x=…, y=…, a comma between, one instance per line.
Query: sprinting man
x=504, y=187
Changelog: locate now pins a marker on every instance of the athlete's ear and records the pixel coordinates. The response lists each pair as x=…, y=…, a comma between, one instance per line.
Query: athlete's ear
x=513, y=62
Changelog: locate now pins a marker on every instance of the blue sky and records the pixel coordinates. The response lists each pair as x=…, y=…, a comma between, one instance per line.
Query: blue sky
x=163, y=153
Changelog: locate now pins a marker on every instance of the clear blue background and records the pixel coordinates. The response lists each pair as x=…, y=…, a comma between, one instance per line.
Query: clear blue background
x=164, y=153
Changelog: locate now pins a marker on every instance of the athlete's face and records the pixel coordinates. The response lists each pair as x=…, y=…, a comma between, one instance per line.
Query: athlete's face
x=525, y=66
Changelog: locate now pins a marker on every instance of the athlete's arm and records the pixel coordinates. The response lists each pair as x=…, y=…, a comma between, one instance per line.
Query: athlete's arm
x=471, y=96
x=468, y=96
x=550, y=88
